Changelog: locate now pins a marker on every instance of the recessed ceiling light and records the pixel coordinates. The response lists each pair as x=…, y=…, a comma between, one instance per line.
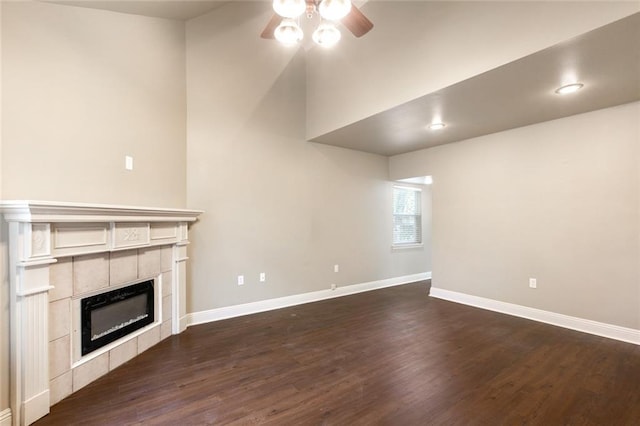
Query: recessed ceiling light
x=569, y=88
x=436, y=126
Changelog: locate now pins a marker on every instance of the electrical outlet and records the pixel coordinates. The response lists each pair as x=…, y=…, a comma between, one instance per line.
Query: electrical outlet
x=336, y=268
x=263, y=277
x=240, y=279
x=533, y=283
x=128, y=162
x=333, y=286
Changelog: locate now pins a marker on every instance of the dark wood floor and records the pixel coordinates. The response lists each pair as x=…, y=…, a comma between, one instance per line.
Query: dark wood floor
x=388, y=357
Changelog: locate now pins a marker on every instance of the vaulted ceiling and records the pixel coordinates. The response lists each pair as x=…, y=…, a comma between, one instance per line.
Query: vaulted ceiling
x=522, y=92
x=168, y=9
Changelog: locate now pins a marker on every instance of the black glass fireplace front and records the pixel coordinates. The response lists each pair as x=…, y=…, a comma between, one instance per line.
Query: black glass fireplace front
x=109, y=316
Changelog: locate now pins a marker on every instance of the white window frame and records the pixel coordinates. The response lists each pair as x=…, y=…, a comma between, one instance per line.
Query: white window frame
x=400, y=245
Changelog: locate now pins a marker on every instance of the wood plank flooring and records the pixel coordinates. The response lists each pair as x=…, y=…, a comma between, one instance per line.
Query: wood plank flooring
x=386, y=357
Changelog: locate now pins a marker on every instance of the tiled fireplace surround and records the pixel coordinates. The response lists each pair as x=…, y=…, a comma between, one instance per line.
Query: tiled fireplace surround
x=62, y=252
x=79, y=276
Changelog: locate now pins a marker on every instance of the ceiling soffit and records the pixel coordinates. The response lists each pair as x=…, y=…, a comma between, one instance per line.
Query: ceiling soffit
x=606, y=60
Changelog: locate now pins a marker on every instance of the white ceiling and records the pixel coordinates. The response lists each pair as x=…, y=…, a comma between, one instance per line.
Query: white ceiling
x=606, y=60
x=168, y=9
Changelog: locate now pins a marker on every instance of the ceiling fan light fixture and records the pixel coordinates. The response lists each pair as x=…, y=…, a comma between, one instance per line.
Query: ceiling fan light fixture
x=569, y=88
x=289, y=8
x=288, y=32
x=334, y=10
x=326, y=35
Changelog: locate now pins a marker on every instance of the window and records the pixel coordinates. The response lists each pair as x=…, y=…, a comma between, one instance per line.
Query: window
x=407, y=216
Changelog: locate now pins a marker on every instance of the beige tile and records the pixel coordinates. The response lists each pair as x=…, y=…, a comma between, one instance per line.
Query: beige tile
x=59, y=356
x=60, y=387
x=123, y=353
x=149, y=262
x=165, y=329
x=166, y=258
x=166, y=283
x=90, y=371
x=148, y=339
x=90, y=272
x=61, y=278
x=123, y=267
x=59, y=318
x=166, y=308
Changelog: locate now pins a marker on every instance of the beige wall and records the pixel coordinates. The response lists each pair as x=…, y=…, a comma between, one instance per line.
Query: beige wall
x=82, y=89
x=419, y=47
x=558, y=201
x=274, y=203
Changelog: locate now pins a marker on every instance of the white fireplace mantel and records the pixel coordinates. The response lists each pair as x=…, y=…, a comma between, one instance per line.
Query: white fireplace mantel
x=40, y=233
x=52, y=211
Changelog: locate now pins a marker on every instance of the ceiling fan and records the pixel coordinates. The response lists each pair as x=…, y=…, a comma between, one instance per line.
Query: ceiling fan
x=284, y=26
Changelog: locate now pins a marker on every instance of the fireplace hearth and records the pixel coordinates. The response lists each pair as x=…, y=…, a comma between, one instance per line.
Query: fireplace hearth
x=108, y=316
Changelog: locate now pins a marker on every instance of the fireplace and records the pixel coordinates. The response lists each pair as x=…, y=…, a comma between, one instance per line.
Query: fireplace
x=61, y=254
x=108, y=316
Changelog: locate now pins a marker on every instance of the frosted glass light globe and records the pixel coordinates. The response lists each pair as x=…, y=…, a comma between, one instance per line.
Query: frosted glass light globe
x=289, y=8
x=326, y=35
x=288, y=32
x=334, y=10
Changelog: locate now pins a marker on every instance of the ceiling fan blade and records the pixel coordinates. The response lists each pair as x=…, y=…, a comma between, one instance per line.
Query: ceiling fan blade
x=271, y=26
x=356, y=22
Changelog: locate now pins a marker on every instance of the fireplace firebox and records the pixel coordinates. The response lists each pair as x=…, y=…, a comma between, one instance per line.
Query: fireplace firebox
x=109, y=316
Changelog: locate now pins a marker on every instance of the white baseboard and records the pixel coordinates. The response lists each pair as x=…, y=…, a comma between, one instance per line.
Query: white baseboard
x=610, y=331
x=5, y=417
x=298, y=299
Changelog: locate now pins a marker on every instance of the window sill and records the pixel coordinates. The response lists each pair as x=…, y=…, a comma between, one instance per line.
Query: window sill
x=406, y=246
